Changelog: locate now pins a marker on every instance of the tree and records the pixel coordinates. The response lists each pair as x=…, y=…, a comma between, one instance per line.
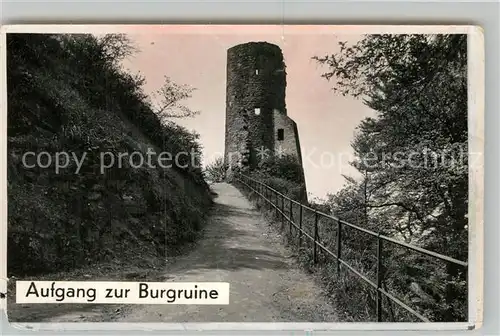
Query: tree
x=169, y=100
x=116, y=47
x=413, y=153
x=109, y=50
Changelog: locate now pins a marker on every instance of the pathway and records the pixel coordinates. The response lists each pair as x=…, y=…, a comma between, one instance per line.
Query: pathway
x=238, y=247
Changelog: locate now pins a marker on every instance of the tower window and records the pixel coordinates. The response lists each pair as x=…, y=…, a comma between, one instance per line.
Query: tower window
x=281, y=134
x=257, y=111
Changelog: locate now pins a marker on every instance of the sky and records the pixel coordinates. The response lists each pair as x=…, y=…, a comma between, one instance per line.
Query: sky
x=196, y=55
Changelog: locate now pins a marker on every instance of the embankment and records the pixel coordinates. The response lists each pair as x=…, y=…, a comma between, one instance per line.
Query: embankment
x=68, y=94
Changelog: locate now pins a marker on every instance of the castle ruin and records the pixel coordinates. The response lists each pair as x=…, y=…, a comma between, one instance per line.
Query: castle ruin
x=257, y=124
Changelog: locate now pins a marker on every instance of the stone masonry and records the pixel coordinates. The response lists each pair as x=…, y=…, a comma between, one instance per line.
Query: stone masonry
x=256, y=115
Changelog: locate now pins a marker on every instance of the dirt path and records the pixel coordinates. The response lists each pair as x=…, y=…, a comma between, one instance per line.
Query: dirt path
x=239, y=248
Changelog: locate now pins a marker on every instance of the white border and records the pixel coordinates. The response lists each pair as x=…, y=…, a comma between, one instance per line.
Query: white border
x=476, y=184
x=227, y=29
x=344, y=326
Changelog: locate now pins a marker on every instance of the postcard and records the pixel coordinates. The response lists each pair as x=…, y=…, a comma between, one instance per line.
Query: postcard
x=243, y=175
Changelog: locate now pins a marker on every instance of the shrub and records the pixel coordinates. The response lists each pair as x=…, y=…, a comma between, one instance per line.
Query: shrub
x=66, y=93
x=285, y=166
x=288, y=188
x=216, y=171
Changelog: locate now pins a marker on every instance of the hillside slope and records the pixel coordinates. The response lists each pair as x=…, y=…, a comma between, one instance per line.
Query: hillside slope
x=67, y=94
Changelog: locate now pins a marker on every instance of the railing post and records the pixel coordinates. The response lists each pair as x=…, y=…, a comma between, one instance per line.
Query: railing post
x=300, y=225
x=276, y=204
x=291, y=217
x=259, y=191
x=379, y=278
x=282, y=211
x=339, y=244
x=315, y=252
x=270, y=198
x=268, y=193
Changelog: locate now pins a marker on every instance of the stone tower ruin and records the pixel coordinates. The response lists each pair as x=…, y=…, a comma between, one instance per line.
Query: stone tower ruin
x=257, y=124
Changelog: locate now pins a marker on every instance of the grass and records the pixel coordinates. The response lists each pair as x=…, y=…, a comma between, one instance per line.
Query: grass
x=353, y=298
x=69, y=97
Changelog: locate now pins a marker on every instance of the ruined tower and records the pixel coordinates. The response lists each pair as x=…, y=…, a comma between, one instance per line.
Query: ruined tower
x=256, y=117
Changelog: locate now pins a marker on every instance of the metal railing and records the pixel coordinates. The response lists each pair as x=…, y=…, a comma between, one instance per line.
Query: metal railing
x=277, y=201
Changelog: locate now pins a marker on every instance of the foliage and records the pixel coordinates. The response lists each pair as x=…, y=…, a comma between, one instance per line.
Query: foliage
x=169, y=98
x=288, y=188
x=69, y=93
x=412, y=157
x=216, y=170
x=284, y=174
x=116, y=47
x=282, y=166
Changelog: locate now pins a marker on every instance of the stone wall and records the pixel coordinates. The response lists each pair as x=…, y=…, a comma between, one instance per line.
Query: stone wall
x=255, y=106
x=256, y=79
x=290, y=144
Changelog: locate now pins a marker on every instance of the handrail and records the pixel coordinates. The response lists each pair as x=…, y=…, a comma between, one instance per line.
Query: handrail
x=316, y=243
x=392, y=240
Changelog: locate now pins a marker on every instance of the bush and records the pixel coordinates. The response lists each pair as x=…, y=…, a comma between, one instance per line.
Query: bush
x=417, y=280
x=288, y=188
x=66, y=93
x=216, y=171
x=286, y=167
